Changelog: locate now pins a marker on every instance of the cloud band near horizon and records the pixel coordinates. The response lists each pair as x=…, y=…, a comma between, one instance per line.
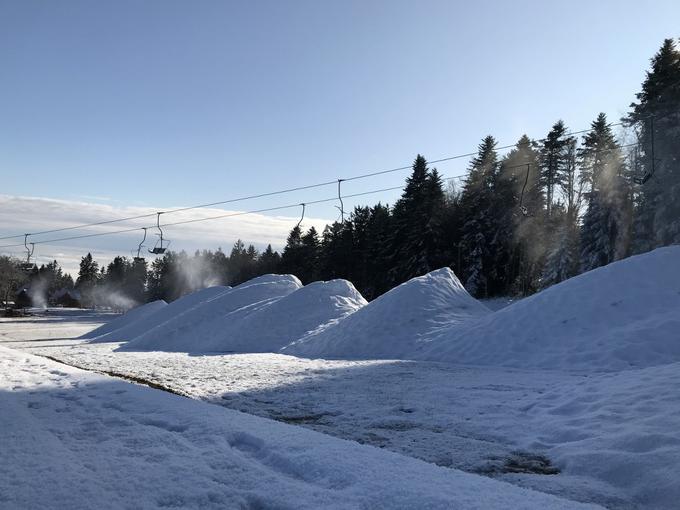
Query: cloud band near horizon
x=19, y=215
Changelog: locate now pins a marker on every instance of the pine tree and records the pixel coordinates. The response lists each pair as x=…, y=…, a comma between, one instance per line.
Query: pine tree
x=554, y=162
x=292, y=257
x=563, y=260
x=268, y=261
x=135, y=280
x=88, y=275
x=336, y=251
x=360, y=220
x=520, y=167
x=559, y=174
x=656, y=115
x=309, y=256
x=418, y=226
x=160, y=278
x=476, y=207
x=379, y=235
x=605, y=234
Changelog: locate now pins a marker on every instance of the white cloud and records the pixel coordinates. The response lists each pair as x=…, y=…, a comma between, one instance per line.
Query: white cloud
x=32, y=214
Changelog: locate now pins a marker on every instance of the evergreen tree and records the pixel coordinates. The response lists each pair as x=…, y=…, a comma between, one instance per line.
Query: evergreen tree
x=88, y=276
x=656, y=116
x=563, y=259
x=559, y=174
x=418, y=225
x=360, y=221
x=520, y=167
x=242, y=263
x=292, y=258
x=476, y=207
x=309, y=256
x=555, y=162
x=378, y=247
x=336, y=251
x=605, y=234
x=268, y=261
x=160, y=278
x=135, y=280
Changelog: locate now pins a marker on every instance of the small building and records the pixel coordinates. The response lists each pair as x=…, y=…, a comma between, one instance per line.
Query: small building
x=67, y=298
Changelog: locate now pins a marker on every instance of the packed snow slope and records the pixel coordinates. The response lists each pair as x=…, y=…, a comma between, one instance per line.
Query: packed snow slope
x=195, y=328
x=620, y=316
x=267, y=326
x=130, y=317
x=160, y=316
x=77, y=440
x=393, y=325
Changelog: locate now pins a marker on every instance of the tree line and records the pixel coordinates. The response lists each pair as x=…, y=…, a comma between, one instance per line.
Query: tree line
x=543, y=212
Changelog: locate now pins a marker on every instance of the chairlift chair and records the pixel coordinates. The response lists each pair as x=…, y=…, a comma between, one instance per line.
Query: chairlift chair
x=649, y=173
x=643, y=178
x=158, y=248
x=139, y=258
x=28, y=265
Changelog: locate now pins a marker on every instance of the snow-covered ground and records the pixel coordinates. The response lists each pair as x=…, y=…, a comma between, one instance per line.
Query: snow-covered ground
x=73, y=439
x=571, y=392
x=613, y=436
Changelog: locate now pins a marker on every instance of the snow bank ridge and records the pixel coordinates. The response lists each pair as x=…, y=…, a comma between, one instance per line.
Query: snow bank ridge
x=623, y=315
x=159, y=316
x=393, y=325
x=128, y=318
x=195, y=328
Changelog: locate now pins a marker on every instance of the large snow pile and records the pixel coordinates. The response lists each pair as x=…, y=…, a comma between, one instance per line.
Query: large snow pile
x=268, y=326
x=623, y=315
x=393, y=325
x=187, y=330
x=160, y=316
x=128, y=318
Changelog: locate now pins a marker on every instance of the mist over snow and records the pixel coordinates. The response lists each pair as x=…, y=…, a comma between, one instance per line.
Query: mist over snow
x=19, y=215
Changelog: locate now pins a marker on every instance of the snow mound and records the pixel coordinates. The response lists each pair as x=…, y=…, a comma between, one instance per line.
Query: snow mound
x=187, y=330
x=393, y=325
x=160, y=316
x=268, y=326
x=128, y=318
x=624, y=315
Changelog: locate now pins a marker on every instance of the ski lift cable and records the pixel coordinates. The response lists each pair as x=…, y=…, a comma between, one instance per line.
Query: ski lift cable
x=279, y=192
x=85, y=236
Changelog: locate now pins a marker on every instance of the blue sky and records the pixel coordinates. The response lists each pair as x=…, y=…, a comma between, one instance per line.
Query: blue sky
x=166, y=103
